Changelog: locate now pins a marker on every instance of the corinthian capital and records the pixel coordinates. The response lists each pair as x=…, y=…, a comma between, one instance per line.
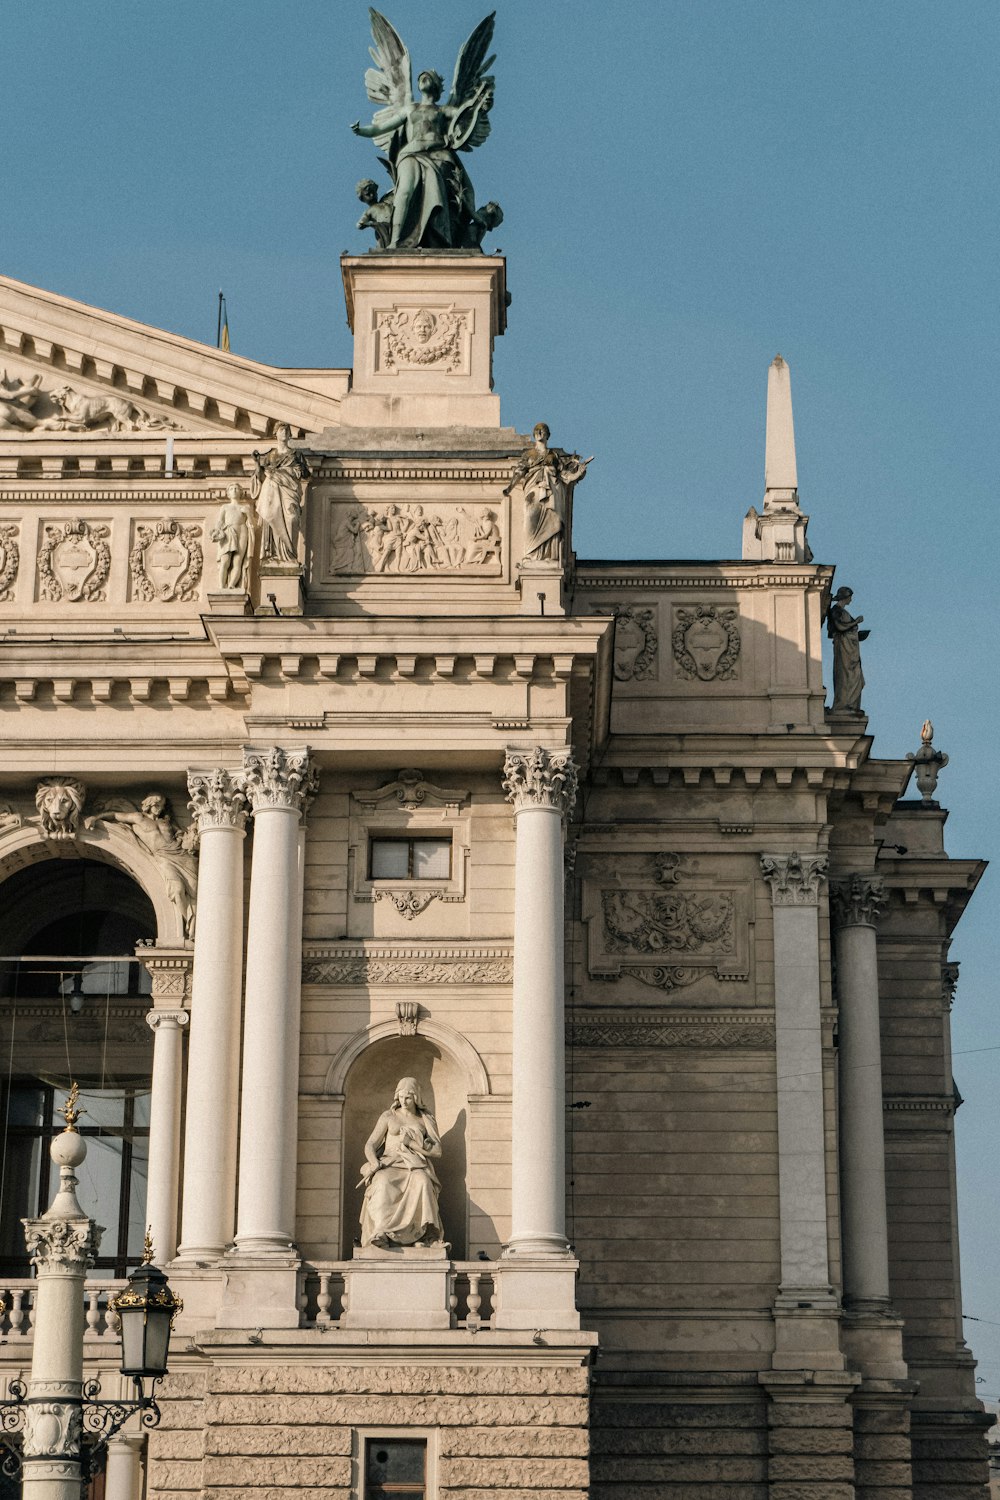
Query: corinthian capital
x=794, y=878
x=67, y=1245
x=218, y=799
x=279, y=778
x=857, y=900
x=540, y=778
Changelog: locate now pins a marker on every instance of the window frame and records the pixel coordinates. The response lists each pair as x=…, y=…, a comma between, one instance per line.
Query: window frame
x=362, y=1436
x=409, y=838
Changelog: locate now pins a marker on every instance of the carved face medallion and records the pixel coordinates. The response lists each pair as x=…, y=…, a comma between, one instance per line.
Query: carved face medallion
x=423, y=326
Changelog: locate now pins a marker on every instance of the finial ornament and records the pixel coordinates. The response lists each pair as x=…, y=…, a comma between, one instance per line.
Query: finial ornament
x=927, y=762
x=147, y=1246
x=70, y=1111
x=432, y=203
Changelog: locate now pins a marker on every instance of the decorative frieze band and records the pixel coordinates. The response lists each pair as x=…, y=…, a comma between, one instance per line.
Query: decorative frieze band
x=858, y=900
x=218, y=799
x=540, y=778
x=691, y=1030
x=369, y=969
x=794, y=878
x=275, y=777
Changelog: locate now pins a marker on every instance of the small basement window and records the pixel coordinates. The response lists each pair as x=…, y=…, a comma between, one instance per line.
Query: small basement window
x=395, y=1466
x=420, y=858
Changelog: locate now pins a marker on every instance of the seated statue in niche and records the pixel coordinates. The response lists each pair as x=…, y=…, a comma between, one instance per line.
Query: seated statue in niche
x=401, y=1186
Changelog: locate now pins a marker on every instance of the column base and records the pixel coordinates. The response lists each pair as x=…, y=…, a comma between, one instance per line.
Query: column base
x=537, y=1244
x=259, y=1291
x=807, y=1330
x=872, y=1337
x=537, y=1292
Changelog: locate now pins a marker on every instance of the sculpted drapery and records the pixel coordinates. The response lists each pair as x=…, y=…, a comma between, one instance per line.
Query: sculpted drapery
x=401, y=1195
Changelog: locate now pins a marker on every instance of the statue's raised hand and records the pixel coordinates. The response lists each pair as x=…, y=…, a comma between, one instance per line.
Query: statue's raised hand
x=356, y=127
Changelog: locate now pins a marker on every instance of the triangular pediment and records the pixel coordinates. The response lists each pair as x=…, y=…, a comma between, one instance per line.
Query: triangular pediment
x=67, y=367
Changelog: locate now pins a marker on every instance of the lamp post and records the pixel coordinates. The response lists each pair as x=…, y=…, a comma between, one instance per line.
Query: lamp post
x=66, y=1428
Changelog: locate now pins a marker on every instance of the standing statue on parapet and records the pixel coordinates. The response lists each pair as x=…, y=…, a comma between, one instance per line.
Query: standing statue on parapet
x=547, y=477
x=433, y=204
x=848, y=678
x=276, y=486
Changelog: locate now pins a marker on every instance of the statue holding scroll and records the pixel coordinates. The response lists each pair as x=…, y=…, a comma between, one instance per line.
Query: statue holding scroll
x=401, y=1186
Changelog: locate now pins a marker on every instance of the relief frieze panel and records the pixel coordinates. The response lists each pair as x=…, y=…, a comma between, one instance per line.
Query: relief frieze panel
x=166, y=561
x=74, y=561
x=657, y=919
x=369, y=540
x=423, y=338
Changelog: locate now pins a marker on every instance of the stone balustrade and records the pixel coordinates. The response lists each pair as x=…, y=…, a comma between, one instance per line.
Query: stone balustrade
x=471, y=1296
x=17, y=1319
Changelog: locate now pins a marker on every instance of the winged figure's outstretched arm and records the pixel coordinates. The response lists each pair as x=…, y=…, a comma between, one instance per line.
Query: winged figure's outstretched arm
x=389, y=83
x=471, y=96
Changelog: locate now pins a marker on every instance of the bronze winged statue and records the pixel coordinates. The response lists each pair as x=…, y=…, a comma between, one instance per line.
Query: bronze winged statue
x=432, y=204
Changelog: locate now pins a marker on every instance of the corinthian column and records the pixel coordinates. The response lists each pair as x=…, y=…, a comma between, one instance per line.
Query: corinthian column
x=280, y=785
x=164, y=1130
x=795, y=881
x=542, y=786
x=855, y=905
x=63, y=1245
x=219, y=806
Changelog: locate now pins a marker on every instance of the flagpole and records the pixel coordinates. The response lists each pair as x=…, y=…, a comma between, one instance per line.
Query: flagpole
x=218, y=326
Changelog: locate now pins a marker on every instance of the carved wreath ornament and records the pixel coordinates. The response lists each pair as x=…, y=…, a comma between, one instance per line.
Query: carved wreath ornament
x=635, y=644
x=166, y=561
x=706, y=642
x=418, y=336
x=9, y=559
x=74, y=561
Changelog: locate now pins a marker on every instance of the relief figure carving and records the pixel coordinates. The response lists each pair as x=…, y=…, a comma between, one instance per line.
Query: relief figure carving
x=233, y=535
x=166, y=561
x=59, y=800
x=421, y=336
x=407, y=539
x=706, y=643
x=400, y=1205
x=77, y=412
x=152, y=826
x=17, y=401
x=639, y=921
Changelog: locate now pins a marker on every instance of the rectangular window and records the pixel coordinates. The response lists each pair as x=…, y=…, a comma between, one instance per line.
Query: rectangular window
x=395, y=1466
x=420, y=858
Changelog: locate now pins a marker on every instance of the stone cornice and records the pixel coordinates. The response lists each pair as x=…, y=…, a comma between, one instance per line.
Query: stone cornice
x=664, y=574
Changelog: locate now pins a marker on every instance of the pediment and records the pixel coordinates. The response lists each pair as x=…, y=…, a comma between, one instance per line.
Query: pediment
x=68, y=369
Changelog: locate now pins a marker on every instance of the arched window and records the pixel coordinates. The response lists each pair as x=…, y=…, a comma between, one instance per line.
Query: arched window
x=74, y=999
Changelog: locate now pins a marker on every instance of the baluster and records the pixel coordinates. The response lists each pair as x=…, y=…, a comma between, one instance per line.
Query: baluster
x=17, y=1310
x=453, y=1297
x=93, y=1296
x=472, y=1318
x=114, y=1322
x=324, y=1299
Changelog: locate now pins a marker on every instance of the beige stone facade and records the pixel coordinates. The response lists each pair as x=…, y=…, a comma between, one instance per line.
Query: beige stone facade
x=675, y=976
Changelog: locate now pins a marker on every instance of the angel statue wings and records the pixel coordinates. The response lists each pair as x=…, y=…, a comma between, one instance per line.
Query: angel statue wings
x=433, y=203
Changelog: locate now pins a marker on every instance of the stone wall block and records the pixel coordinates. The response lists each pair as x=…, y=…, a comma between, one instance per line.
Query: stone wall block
x=179, y=1443
x=660, y=1440
x=717, y=1491
x=395, y=1411
x=663, y=1414
x=305, y=1442
x=807, y=1414
x=669, y=1471
x=810, y=1466
x=513, y=1473
x=182, y=1386
x=802, y=1440
x=181, y=1414
x=238, y=1492
x=811, y=1489
x=390, y=1379
x=951, y=1472
x=531, y=1442
x=497, y=1494
x=876, y=1448
x=283, y=1471
x=174, y=1475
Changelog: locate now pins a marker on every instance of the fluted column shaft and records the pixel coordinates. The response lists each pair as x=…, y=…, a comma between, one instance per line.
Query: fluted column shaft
x=219, y=805
x=165, y=1130
x=855, y=906
x=123, y=1476
x=541, y=784
x=280, y=785
x=795, y=881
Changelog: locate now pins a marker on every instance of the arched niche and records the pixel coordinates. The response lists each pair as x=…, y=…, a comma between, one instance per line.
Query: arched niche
x=370, y=1076
x=106, y=843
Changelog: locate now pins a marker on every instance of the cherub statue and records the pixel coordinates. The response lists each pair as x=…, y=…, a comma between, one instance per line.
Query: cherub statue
x=378, y=211
x=433, y=201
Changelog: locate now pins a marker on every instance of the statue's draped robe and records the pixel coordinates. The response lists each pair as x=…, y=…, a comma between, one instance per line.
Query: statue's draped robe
x=401, y=1199
x=434, y=199
x=848, y=678
x=278, y=493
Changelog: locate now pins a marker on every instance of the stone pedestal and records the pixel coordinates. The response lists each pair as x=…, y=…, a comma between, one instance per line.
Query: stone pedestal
x=229, y=602
x=259, y=1291
x=424, y=324
x=284, y=582
x=536, y=1292
x=406, y=1287
x=540, y=586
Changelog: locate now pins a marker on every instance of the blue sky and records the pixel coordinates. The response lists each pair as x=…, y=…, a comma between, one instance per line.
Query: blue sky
x=690, y=186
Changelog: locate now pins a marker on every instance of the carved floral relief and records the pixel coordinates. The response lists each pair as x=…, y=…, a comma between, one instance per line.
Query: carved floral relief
x=407, y=539
x=706, y=643
x=10, y=558
x=74, y=561
x=419, y=338
x=166, y=561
